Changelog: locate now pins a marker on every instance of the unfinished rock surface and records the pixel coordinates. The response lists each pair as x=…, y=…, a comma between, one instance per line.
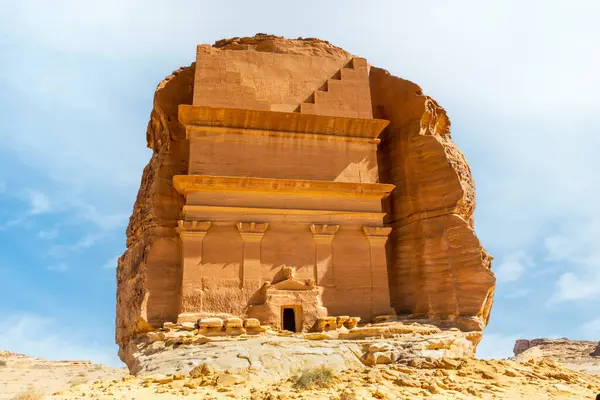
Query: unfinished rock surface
x=437, y=271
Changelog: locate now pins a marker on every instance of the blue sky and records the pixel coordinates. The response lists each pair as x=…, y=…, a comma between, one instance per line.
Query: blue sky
x=519, y=80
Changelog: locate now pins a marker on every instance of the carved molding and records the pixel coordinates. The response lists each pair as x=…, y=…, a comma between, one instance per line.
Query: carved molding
x=252, y=231
x=377, y=234
x=192, y=229
x=324, y=232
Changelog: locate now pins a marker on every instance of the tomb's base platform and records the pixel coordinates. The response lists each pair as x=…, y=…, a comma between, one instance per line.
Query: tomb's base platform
x=269, y=355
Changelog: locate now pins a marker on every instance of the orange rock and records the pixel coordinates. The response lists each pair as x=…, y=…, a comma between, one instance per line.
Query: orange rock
x=262, y=199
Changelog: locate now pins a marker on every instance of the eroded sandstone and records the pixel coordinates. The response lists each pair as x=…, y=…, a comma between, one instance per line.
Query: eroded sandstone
x=299, y=120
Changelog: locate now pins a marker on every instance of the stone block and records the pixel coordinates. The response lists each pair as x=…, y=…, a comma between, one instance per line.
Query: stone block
x=325, y=324
x=251, y=323
x=351, y=323
x=188, y=317
x=211, y=323
x=384, y=318
x=233, y=323
x=341, y=320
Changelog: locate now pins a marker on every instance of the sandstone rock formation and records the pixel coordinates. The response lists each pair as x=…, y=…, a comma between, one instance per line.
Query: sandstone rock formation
x=575, y=354
x=438, y=271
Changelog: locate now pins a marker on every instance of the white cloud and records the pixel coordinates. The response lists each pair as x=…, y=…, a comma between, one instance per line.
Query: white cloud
x=44, y=337
x=513, y=266
x=64, y=250
x=104, y=221
x=559, y=248
x=582, y=286
x=590, y=330
x=39, y=203
x=577, y=253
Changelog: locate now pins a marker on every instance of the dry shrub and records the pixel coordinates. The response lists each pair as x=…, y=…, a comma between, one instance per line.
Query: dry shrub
x=30, y=394
x=320, y=377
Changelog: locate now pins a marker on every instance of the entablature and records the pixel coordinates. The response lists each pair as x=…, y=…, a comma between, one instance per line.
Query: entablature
x=185, y=184
x=262, y=120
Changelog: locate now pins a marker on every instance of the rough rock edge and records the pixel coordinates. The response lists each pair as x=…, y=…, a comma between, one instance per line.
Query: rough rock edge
x=434, y=123
x=163, y=129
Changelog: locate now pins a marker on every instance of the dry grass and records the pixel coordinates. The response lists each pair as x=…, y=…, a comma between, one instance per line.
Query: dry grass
x=320, y=377
x=30, y=394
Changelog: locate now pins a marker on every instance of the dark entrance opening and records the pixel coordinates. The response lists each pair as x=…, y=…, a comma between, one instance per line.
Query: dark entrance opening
x=289, y=319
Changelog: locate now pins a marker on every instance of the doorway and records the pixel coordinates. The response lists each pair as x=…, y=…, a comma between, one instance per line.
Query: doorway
x=289, y=319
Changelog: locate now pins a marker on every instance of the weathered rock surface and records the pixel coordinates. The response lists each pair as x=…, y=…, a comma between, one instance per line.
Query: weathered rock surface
x=437, y=267
x=579, y=355
x=436, y=379
x=438, y=270
x=271, y=357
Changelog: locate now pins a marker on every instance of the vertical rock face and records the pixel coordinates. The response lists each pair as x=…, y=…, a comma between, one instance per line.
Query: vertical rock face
x=437, y=268
x=148, y=274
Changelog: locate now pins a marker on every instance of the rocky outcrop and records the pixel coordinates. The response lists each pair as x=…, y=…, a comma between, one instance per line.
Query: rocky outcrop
x=148, y=275
x=439, y=272
x=596, y=352
x=272, y=355
x=437, y=267
x=575, y=354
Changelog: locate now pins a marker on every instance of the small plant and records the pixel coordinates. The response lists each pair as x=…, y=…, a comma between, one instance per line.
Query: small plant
x=78, y=381
x=3, y=363
x=30, y=394
x=320, y=377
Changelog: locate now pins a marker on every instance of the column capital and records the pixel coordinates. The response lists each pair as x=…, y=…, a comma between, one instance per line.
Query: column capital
x=323, y=233
x=252, y=231
x=192, y=229
x=377, y=234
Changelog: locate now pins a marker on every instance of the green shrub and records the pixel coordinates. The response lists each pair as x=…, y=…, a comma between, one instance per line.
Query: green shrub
x=320, y=377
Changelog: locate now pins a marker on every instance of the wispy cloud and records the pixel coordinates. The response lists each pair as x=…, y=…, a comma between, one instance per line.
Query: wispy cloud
x=513, y=266
x=39, y=203
x=62, y=251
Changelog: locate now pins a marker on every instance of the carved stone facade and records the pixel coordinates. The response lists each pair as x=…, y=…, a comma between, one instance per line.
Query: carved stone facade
x=280, y=169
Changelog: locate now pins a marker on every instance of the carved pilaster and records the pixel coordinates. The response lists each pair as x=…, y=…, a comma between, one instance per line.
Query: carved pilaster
x=192, y=234
x=380, y=299
x=324, y=268
x=252, y=234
